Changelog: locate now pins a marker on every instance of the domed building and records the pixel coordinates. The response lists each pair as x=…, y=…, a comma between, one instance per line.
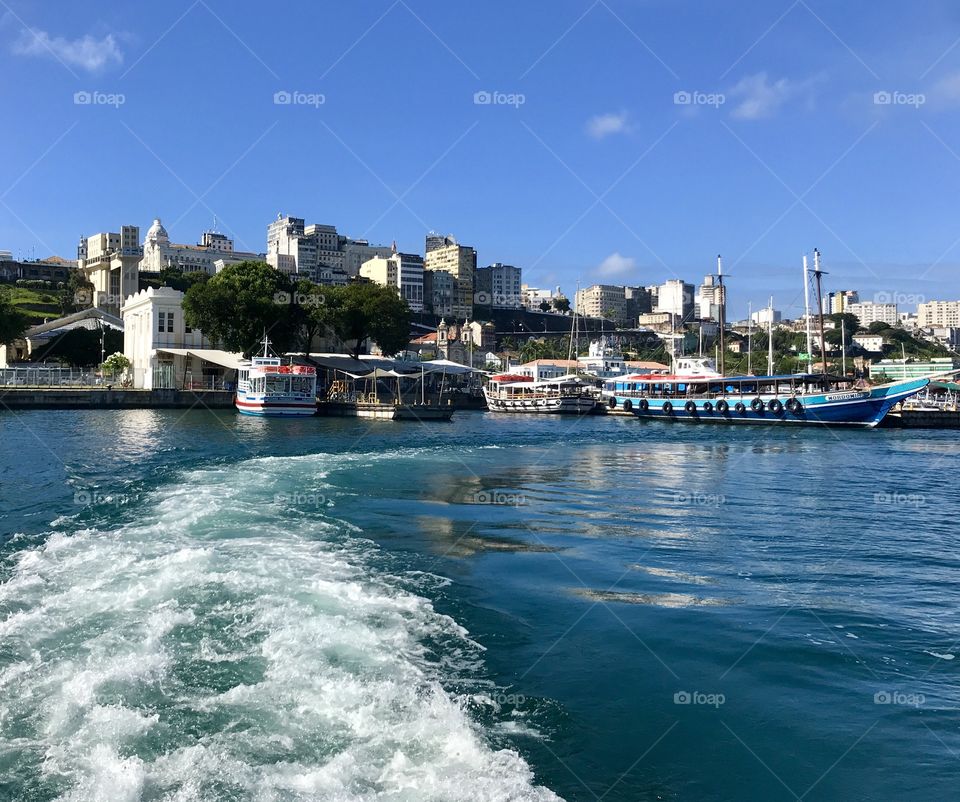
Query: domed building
x=213, y=252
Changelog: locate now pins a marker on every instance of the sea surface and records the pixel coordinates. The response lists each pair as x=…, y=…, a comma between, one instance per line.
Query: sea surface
x=201, y=606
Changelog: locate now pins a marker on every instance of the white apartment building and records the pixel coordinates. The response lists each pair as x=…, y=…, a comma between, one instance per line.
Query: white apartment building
x=163, y=351
x=939, y=313
x=675, y=297
x=532, y=297
x=498, y=285
x=213, y=250
x=402, y=271
x=869, y=342
x=766, y=317
x=869, y=312
x=710, y=299
x=317, y=252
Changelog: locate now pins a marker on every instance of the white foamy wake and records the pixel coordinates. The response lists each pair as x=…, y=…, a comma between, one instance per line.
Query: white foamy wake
x=223, y=647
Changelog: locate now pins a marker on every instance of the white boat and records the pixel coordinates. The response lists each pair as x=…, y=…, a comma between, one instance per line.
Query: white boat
x=267, y=387
x=566, y=395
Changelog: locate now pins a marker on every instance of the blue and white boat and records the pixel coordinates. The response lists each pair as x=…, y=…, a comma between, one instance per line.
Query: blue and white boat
x=695, y=392
x=267, y=387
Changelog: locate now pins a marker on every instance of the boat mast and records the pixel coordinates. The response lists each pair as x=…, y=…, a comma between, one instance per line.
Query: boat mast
x=770, y=339
x=750, y=339
x=723, y=310
x=843, y=344
x=818, y=275
x=806, y=306
x=573, y=350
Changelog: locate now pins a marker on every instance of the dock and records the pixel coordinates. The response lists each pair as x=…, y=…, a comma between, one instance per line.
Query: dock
x=112, y=398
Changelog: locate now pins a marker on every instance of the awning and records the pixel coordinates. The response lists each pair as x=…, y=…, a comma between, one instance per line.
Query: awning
x=445, y=365
x=225, y=359
x=380, y=373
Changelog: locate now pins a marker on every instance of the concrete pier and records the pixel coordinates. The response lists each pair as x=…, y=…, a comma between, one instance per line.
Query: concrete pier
x=922, y=419
x=103, y=398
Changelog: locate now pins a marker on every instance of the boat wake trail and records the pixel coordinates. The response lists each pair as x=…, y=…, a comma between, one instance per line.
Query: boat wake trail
x=225, y=646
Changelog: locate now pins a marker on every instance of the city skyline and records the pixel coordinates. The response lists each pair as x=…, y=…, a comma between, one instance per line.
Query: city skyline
x=201, y=111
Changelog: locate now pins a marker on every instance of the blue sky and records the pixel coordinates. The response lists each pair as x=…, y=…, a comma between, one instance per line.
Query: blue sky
x=587, y=164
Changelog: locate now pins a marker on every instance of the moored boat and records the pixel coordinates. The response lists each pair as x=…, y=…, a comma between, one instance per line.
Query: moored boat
x=792, y=399
x=267, y=387
x=566, y=395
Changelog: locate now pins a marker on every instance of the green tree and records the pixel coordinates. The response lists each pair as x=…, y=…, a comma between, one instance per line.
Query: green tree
x=878, y=327
x=13, y=322
x=561, y=304
x=239, y=304
x=362, y=311
x=544, y=306
x=77, y=293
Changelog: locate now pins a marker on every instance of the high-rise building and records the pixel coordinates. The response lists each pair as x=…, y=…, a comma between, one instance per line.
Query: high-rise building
x=675, y=297
x=434, y=241
x=402, y=271
x=767, y=317
x=710, y=299
x=498, y=286
x=110, y=261
x=460, y=261
x=938, y=313
x=317, y=252
x=869, y=312
x=290, y=250
x=840, y=300
x=439, y=288
x=603, y=300
x=637, y=302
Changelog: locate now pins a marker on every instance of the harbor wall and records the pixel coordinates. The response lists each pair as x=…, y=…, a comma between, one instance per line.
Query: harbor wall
x=63, y=398
x=922, y=419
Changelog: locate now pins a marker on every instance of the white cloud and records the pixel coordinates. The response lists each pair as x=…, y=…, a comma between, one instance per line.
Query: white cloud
x=616, y=264
x=758, y=98
x=603, y=125
x=86, y=52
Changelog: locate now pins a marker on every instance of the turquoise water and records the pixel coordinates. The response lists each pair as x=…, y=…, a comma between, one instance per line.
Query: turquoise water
x=203, y=606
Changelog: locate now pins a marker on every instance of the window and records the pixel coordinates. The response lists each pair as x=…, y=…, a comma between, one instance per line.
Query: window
x=170, y=322
x=161, y=318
